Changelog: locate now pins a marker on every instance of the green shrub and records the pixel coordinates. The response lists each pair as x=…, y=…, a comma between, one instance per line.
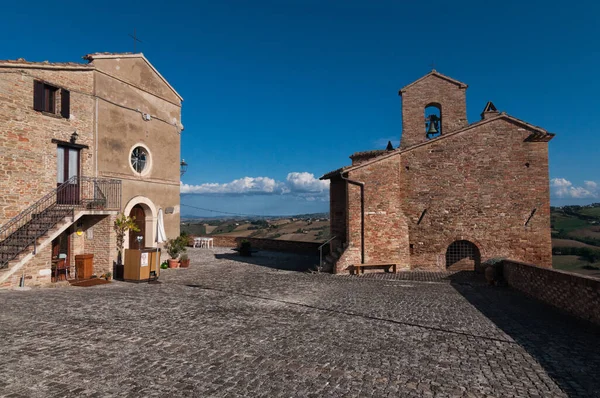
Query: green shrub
x=245, y=248
x=174, y=247
x=589, y=254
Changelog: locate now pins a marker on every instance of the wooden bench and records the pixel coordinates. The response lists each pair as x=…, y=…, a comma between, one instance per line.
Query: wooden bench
x=361, y=267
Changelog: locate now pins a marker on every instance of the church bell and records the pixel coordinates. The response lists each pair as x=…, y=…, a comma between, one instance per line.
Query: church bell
x=432, y=129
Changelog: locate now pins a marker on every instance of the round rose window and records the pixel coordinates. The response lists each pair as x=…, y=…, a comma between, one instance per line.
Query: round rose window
x=139, y=159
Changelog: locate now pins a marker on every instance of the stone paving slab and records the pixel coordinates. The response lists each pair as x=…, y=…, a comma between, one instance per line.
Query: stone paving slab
x=237, y=327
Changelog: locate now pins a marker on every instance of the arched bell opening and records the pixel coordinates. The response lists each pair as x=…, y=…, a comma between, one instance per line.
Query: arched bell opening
x=462, y=255
x=433, y=120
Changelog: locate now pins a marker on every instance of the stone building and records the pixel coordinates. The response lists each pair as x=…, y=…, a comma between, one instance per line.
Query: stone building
x=452, y=195
x=79, y=143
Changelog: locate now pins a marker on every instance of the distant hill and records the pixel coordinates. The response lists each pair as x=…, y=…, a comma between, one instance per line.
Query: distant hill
x=576, y=238
x=305, y=227
x=232, y=217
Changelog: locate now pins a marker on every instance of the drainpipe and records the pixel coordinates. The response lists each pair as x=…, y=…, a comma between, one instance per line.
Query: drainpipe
x=96, y=137
x=362, y=215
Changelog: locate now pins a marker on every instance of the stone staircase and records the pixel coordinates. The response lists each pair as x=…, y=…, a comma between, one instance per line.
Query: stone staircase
x=329, y=261
x=35, y=227
x=21, y=246
x=32, y=232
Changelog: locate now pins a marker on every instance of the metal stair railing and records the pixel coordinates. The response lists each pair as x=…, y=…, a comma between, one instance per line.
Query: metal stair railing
x=28, y=226
x=321, y=251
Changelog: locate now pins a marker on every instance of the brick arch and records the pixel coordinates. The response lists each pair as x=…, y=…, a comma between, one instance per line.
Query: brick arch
x=438, y=106
x=462, y=255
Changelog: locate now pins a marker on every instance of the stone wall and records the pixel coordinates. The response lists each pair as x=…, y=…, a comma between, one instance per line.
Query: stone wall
x=28, y=168
x=576, y=294
x=268, y=244
x=127, y=88
x=101, y=241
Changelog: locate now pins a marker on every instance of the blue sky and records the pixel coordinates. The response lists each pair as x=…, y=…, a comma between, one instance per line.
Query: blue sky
x=276, y=93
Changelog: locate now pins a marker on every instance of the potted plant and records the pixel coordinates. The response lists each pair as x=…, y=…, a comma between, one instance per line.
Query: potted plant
x=108, y=276
x=164, y=265
x=122, y=224
x=245, y=248
x=184, y=261
x=173, y=248
x=493, y=270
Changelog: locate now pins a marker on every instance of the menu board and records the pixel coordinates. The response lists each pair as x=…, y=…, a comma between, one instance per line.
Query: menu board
x=144, y=260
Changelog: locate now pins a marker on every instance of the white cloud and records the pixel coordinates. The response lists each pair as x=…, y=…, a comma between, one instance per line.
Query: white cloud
x=301, y=184
x=306, y=182
x=564, y=188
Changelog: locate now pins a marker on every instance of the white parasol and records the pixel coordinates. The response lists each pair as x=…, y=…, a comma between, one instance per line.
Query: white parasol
x=161, y=236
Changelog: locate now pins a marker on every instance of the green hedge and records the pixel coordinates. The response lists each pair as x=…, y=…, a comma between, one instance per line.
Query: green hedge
x=586, y=253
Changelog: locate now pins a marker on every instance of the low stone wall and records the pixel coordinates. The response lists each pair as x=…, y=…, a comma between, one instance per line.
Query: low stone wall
x=268, y=244
x=576, y=294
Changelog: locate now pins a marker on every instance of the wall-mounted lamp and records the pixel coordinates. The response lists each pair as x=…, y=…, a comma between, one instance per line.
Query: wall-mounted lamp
x=74, y=137
x=182, y=167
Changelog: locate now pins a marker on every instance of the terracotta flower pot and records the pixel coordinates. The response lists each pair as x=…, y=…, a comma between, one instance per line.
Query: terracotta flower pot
x=173, y=263
x=184, y=263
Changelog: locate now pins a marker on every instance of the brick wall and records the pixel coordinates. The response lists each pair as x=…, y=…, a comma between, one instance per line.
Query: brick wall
x=102, y=242
x=480, y=185
x=337, y=211
x=385, y=226
x=432, y=89
x=576, y=294
x=268, y=244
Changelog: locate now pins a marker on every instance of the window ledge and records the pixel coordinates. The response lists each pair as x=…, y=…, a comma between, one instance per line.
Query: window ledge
x=54, y=115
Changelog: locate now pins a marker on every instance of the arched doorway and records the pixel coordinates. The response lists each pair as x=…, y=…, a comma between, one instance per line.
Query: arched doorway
x=140, y=220
x=462, y=255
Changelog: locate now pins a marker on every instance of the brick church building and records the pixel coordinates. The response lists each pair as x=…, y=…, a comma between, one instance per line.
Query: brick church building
x=452, y=195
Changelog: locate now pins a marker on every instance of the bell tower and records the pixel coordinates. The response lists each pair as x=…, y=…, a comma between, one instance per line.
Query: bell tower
x=432, y=106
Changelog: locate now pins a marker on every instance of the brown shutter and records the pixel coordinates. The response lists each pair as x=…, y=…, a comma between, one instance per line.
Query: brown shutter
x=65, y=103
x=38, y=95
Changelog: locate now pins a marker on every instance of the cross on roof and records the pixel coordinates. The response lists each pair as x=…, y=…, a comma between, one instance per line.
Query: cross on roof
x=135, y=38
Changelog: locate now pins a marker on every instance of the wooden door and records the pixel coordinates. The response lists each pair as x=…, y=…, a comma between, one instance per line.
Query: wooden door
x=140, y=221
x=67, y=165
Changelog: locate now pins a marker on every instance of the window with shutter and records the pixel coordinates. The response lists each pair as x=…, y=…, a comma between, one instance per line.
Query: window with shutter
x=65, y=103
x=44, y=99
x=49, y=99
x=38, y=96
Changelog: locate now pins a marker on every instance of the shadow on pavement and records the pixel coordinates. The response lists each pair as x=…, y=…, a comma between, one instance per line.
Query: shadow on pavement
x=275, y=260
x=567, y=348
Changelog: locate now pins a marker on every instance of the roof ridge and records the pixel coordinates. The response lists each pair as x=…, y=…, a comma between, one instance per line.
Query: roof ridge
x=92, y=56
x=502, y=115
x=437, y=74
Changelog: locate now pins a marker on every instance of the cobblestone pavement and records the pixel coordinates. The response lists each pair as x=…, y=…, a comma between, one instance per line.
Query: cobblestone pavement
x=255, y=328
